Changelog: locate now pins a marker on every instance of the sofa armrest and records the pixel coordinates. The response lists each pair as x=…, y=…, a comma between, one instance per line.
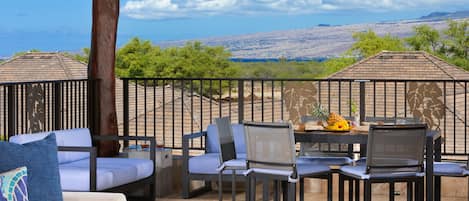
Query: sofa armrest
x=185, y=143
x=127, y=138
x=93, y=165
x=185, y=148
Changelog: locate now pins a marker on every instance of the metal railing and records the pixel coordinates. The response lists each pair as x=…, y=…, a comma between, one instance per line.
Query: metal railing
x=29, y=107
x=169, y=108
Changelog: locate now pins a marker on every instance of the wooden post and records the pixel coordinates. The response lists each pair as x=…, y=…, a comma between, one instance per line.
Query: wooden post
x=103, y=119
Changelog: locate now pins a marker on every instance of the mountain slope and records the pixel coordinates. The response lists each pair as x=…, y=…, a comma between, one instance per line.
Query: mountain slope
x=321, y=41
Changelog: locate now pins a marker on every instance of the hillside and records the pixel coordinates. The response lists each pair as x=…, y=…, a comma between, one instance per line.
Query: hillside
x=319, y=41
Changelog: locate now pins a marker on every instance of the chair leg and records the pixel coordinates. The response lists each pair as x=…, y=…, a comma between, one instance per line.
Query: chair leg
x=291, y=191
x=391, y=191
x=341, y=187
x=419, y=190
x=329, y=187
x=247, y=187
x=265, y=190
x=220, y=185
x=284, y=190
x=208, y=185
x=357, y=190
x=410, y=191
x=253, y=188
x=233, y=185
x=152, y=192
x=416, y=191
x=276, y=190
x=350, y=189
x=367, y=190
x=185, y=185
x=302, y=189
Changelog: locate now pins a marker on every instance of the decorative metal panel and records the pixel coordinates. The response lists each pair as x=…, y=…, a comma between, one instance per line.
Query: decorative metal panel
x=300, y=97
x=35, y=108
x=425, y=103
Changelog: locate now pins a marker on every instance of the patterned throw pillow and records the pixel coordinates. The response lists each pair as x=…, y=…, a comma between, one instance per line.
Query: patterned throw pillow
x=13, y=185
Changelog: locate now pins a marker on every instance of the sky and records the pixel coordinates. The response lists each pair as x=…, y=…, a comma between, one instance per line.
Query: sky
x=59, y=25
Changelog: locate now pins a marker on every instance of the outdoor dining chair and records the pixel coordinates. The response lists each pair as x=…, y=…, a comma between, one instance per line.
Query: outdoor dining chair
x=451, y=169
x=333, y=155
x=271, y=154
x=228, y=159
x=395, y=153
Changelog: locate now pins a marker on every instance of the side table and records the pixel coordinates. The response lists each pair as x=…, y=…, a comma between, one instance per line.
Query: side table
x=163, y=169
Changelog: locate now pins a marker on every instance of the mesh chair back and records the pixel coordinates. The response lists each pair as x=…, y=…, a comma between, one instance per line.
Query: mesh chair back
x=396, y=148
x=225, y=137
x=270, y=145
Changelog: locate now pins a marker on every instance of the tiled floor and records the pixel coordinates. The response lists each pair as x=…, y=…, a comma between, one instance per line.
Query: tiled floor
x=308, y=196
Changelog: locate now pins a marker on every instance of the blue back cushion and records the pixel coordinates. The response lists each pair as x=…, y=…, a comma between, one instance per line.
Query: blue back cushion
x=238, y=135
x=77, y=137
x=40, y=158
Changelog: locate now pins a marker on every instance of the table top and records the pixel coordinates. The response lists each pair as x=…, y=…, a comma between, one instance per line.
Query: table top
x=345, y=137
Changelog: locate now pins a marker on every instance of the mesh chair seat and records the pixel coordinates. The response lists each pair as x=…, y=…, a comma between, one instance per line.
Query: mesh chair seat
x=359, y=172
x=237, y=164
x=302, y=170
x=449, y=169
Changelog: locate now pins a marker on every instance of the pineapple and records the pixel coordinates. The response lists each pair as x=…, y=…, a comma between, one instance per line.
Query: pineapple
x=333, y=118
x=320, y=112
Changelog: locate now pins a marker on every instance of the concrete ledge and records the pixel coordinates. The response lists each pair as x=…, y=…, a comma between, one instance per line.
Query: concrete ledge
x=93, y=196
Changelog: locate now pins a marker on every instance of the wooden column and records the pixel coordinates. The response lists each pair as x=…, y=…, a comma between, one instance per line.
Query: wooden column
x=102, y=97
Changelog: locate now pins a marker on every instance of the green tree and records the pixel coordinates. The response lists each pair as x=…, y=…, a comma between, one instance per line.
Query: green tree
x=336, y=64
x=425, y=38
x=457, y=39
x=368, y=43
x=82, y=57
x=24, y=52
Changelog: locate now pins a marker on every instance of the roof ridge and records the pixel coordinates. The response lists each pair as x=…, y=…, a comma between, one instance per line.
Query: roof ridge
x=438, y=66
x=357, y=63
x=67, y=71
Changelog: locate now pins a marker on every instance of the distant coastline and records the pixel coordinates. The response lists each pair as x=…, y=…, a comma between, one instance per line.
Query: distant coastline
x=246, y=60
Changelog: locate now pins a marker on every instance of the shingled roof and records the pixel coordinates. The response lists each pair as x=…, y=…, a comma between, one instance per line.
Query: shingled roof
x=410, y=65
x=42, y=66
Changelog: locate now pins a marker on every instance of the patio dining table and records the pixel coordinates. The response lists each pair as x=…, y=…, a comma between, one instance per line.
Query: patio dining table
x=432, y=147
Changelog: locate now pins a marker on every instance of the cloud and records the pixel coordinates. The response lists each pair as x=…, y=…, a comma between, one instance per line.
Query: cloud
x=167, y=9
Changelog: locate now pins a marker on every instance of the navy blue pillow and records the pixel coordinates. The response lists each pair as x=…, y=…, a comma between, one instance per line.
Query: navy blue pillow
x=40, y=158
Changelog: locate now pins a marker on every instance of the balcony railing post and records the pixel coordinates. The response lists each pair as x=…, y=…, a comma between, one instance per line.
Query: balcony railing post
x=57, y=106
x=240, y=101
x=126, y=111
x=362, y=101
x=11, y=110
x=93, y=107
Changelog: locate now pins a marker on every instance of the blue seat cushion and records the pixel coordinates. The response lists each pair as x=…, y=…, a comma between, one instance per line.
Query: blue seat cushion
x=40, y=158
x=448, y=169
x=111, y=172
x=324, y=160
x=359, y=172
x=78, y=137
x=238, y=137
x=208, y=164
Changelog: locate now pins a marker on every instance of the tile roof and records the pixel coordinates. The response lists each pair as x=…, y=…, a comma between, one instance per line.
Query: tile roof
x=413, y=65
x=42, y=66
